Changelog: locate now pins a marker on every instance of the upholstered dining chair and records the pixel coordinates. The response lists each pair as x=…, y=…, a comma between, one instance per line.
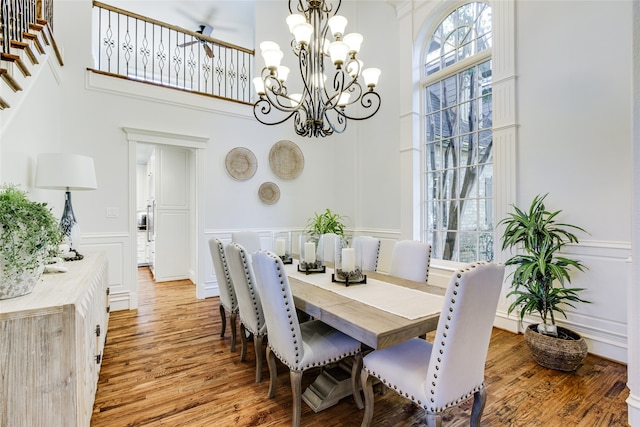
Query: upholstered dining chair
x=249, y=240
x=300, y=346
x=228, y=300
x=250, y=307
x=369, y=248
x=450, y=370
x=410, y=260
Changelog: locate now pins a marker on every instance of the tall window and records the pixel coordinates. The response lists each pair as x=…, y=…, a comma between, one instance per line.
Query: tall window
x=458, y=217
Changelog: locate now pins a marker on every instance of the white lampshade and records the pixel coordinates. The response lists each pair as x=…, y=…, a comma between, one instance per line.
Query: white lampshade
x=295, y=19
x=371, y=76
x=354, y=40
x=60, y=171
x=337, y=23
x=283, y=73
x=272, y=58
x=343, y=99
x=258, y=83
x=269, y=45
x=354, y=67
x=302, y=32
x=338, y=52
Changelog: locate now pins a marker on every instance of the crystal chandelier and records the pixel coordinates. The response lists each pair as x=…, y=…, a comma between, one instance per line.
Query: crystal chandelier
x=322, y=106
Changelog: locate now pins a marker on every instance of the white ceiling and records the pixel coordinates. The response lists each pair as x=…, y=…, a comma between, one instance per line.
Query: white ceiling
x=233, y=21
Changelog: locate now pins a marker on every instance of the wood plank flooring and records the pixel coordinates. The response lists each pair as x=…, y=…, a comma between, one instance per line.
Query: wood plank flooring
x=165, y=364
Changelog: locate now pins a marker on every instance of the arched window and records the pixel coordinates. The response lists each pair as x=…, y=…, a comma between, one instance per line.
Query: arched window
x=457, y=136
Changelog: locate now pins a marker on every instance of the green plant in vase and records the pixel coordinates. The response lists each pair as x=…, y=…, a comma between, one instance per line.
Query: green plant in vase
x=29, y=237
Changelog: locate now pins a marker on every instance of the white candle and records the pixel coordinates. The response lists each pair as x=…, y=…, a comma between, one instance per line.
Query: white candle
x=348, y=259
x=280, y=247
x=309, y=252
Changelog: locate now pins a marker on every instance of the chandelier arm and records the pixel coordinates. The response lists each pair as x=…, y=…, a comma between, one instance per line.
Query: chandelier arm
x=262, y=108
x=370, y=99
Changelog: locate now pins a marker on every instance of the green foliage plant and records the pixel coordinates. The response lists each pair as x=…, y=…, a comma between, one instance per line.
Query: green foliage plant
x=538, y=282
x=326, y=222
x=29, y=234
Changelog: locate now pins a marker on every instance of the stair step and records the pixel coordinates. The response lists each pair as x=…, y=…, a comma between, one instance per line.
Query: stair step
x=40, y=27
x=8, y=78
x=15, y=59
x=26, y=49
x=4, y=104
x=36, y=41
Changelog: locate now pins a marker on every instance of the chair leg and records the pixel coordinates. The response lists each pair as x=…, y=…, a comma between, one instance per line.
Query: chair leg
x=223, y=316
x=367, y=388
x=296, y=391
x=233, y=331
x=356, y=368
x=243, y=340
x=273, y=372
x=479, y=399
x=257, y=344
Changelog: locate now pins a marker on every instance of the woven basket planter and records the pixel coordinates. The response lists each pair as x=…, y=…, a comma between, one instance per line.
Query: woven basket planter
x=556, y=353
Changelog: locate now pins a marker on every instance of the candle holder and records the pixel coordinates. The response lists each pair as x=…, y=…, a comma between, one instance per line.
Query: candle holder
x=310, y=261
x=282, y=246
x=348, y=265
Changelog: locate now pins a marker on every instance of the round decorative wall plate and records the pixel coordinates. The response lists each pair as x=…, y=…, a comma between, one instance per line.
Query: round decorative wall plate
x=286, y=159
x=269, y=193
x=241, y=163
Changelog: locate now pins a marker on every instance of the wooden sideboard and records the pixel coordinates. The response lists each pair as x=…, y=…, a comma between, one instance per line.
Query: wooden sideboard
x=51, y=344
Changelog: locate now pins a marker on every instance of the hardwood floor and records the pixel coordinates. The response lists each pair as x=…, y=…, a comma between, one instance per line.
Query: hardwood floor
x=166, y=365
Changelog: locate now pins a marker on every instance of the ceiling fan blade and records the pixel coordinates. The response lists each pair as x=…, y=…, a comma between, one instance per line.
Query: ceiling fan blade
x=189, y=43
x=208, y=50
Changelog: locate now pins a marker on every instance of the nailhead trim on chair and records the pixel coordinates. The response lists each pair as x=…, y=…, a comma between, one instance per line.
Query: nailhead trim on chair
x=426, y=279
x=295, y=339
x=425, y=405
x=227, y=280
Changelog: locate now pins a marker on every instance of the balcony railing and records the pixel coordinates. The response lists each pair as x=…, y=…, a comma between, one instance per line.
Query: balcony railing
x=140, y=48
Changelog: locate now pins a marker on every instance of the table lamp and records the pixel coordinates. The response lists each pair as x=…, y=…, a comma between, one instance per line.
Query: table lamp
x=61, y=171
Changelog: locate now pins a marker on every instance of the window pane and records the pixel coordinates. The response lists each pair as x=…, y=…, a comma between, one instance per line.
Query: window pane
x=459, y=140
x=434, y=97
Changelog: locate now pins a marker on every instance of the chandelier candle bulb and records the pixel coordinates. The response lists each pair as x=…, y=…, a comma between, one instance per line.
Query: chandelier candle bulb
x=258, y=83
x=302, y=33
x=337, y=24
x=272, y=58
x=371, y=76
x=338, y=52
x=283, y=73
x=348, y=260
x=295, y=19
x=309, y=252
x=354, y=40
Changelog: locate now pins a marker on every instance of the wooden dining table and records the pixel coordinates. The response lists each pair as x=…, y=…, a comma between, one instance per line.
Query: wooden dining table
x=370, y=325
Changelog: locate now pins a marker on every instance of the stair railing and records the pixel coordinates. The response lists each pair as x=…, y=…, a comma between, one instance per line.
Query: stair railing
x=144, y=49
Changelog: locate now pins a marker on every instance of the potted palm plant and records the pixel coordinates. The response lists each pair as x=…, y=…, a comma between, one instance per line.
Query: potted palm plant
x=29, y=237
x=539, y=282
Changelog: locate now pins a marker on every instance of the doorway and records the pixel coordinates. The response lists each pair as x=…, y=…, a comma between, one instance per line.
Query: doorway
x=165, y=186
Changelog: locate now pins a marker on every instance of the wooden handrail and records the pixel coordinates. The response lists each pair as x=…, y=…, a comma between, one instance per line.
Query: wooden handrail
x=173, y=27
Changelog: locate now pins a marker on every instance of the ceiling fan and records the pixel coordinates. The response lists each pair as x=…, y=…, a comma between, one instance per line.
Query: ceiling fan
x=205, y=30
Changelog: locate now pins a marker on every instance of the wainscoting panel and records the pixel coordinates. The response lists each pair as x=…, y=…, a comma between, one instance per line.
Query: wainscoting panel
x=122, y=277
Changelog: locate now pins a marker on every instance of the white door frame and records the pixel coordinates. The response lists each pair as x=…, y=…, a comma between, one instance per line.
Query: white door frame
x=198, y=144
